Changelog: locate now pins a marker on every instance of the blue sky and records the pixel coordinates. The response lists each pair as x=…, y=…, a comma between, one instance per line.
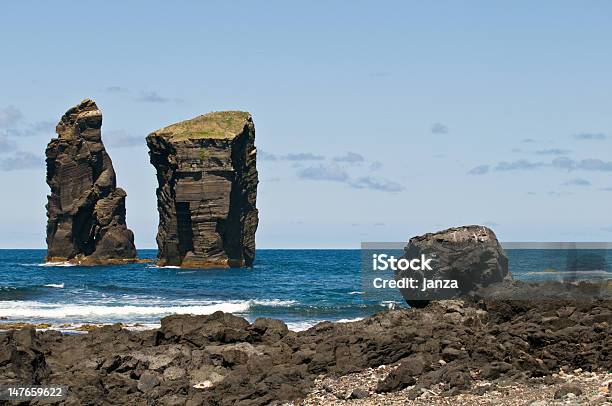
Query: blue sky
x=376, y=121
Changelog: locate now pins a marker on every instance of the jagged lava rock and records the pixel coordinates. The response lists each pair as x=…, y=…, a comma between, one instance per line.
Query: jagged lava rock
x=86, y=209
x=206, y=169
x=223, y=360
x=469, y=254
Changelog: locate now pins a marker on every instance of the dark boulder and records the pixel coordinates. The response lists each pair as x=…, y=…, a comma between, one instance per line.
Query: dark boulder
x=565, y=390
x=268, y=330
x=359, y=394
x=216, y=328
x=471, y=255
x=148, y=381
x=397, y=380
x=21, y=358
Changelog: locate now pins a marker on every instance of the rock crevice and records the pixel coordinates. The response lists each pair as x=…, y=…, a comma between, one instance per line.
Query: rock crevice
x=86, y=209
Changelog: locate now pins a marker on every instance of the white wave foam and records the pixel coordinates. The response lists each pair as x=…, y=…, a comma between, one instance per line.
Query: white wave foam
x=33, y=309
x=274, y=302
x=63, y=263
x=350, y=320
x=356, y=293
x=75, y=328
x=128, y=326
x=389, y=304
x=54, y=285
x=92, y=311
x=302, y=325
x=143, y=326
x=164, y=267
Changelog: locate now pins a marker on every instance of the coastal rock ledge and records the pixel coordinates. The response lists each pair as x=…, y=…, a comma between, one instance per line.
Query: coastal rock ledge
x=206, y=169
x=85, y=210
x=451, y=349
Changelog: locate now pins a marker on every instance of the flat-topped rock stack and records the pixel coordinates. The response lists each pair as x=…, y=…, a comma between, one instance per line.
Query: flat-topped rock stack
x=207, y=175
x=86, y=209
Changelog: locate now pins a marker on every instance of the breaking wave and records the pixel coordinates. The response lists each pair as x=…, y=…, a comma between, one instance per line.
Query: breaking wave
x=163, y=267
x=60, y=264
x=54, y=285
x=35, y=309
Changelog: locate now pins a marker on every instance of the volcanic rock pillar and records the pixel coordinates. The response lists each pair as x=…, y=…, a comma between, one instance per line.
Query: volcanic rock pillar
x=207, y=175
x=86, y=209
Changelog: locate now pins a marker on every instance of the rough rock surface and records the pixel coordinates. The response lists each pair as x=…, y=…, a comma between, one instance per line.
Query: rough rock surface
x=469, y=254
x=21, y=358
x=86, y=209
x=222, y=359
x=547, y=290
x=536, y=391
x=206, y=169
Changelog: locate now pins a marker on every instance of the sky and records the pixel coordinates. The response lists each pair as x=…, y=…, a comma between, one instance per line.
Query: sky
x=375, y=121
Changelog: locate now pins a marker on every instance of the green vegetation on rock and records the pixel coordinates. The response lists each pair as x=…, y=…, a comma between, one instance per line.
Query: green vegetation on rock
x=216, y=125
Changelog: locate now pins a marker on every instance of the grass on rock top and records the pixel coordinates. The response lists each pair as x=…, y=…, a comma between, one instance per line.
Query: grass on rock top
x=216, y=125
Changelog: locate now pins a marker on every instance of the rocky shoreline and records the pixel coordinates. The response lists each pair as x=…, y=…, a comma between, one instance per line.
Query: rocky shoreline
x=446, y=353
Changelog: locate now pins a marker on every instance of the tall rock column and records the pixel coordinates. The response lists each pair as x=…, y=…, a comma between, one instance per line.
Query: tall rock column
x=207, y=191
x=86, y=209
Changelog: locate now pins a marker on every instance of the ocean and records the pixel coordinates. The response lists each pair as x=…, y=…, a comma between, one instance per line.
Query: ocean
x=300, y=287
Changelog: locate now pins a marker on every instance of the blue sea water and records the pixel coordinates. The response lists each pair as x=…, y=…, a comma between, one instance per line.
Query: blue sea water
x=301, y=287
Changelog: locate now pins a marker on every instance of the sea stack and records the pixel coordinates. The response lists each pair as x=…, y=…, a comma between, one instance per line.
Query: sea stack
x=86, y=209
x=207, y=175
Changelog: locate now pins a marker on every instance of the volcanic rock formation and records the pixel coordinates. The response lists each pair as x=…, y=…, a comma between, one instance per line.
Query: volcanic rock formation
x=207, y=190
x=86, y=209
x=223, y=360
x=471, y=255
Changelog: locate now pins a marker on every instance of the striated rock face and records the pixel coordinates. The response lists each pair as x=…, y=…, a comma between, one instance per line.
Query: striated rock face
x=207, y=190
x=86, y=209
x=469, y=254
